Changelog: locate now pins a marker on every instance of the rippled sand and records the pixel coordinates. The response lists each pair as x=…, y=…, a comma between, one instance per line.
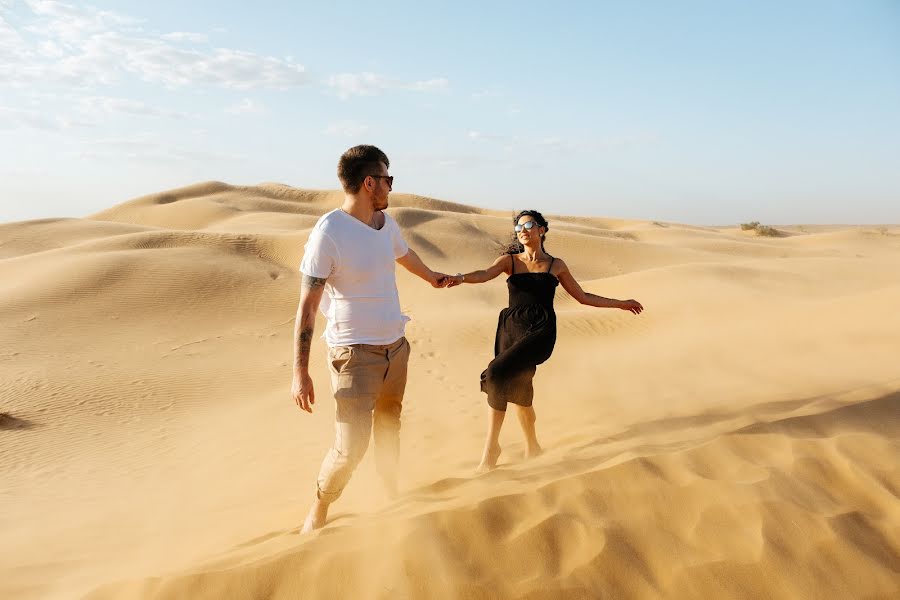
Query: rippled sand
x=739, y=439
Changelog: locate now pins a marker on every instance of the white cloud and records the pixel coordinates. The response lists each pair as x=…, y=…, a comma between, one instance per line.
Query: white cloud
x=429, y=85
x=69, y=24
x=94, y=105
x=511, y=143
x=224, y=67
x=371, y=84
x=70, y=48
x=480, y=94
x=553, y=141
x=357, y=84
x=16, y=118
x=457, y=161
x=11, y=43
x=77, y=47
x=480, y=135
x=629, y=141
x=348, y=129
x=50, y=49
x=561, y=144
x=144, y=147
x=186, y=36
x=246, y=106
x=54, y=9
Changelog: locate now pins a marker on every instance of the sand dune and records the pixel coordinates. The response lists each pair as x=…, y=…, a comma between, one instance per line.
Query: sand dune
x=739, y=439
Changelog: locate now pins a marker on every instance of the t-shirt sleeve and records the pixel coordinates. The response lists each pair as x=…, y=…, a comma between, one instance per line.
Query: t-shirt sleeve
x=319, y=257
x=401, y=249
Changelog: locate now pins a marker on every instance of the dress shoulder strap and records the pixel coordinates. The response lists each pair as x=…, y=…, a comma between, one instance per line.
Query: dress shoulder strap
x=550, y=268
x=512, y=264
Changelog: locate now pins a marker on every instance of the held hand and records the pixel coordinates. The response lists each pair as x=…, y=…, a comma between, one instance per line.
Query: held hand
x=440, y=280
x=632, y=306
x=302, y=391
x=454, y=280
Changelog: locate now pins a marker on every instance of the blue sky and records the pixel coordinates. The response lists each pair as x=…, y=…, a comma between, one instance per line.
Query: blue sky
x=698, y=112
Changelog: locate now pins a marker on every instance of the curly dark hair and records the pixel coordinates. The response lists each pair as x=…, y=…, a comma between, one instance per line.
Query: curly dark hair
x=357, y=163
x=514, y=246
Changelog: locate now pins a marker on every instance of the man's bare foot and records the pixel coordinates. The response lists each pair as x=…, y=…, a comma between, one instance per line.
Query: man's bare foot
x=489, y=459
x=533, y=451
x=318, y=512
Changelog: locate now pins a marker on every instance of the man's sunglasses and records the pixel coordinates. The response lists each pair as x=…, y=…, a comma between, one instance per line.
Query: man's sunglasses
x=390, y=179
x=525, y=225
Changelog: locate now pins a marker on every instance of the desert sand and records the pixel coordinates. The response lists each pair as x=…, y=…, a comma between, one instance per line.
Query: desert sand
x=739, y=439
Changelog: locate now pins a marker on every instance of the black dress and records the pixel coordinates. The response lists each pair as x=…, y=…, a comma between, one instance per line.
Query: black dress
x=526, y=334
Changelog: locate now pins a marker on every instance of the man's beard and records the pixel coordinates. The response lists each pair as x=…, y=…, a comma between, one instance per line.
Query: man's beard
x=380, y=204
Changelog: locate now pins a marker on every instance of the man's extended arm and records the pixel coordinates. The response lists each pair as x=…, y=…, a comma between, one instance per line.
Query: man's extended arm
x=412, y=263
x=302, y=391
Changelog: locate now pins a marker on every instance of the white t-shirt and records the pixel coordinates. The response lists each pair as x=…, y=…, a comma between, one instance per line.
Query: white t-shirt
x=360, y=301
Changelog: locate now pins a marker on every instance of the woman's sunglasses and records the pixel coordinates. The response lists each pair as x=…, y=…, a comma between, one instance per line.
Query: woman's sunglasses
x=525, y=225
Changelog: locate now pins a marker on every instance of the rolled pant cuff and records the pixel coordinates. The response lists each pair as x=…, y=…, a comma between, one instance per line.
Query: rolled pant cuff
x=327, y=497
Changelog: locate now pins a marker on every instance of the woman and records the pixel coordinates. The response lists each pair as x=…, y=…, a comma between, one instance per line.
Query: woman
x=526, y=332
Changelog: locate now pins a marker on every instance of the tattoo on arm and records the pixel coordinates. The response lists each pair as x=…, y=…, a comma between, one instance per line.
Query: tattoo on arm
x=304, y=341
x=306, y=321
x=312, y=283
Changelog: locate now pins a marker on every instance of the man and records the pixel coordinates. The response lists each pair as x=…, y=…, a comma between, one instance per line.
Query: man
x=350, y=259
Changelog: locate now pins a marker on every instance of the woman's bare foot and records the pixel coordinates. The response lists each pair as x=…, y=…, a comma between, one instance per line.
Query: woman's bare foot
x=318, y=513
x=533, y=451
x=489, y=459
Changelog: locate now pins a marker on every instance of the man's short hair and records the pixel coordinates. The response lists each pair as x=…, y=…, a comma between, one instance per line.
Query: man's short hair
x=357, y=163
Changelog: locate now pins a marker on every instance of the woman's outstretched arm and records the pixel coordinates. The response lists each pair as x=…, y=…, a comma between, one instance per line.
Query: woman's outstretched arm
x=501, y=265
x=574, y=289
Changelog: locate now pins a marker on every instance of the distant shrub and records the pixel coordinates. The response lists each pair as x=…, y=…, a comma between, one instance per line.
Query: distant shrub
x=763, y=230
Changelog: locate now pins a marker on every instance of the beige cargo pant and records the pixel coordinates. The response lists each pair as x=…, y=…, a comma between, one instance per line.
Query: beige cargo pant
x=368, y=383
